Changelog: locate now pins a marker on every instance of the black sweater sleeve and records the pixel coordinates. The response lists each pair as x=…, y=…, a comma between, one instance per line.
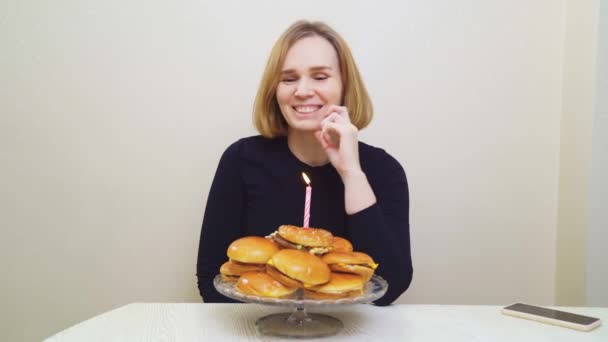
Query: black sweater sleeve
x=221, y=222
x=382, y=230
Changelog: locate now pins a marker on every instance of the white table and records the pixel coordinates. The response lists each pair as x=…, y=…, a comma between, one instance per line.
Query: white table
x=236, y=322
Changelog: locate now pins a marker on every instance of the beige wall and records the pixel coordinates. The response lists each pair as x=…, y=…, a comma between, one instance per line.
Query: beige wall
x=578, y=95
x=597, y=277
x=113, y=116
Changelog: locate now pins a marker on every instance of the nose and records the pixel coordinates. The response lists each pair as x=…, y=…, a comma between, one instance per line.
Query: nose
x=303, y=89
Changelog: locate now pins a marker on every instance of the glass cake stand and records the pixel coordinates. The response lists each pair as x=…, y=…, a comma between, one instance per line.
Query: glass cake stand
x=299, y=323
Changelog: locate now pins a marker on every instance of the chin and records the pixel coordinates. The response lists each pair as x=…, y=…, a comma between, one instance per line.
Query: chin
x=306, y=128
x=309, y=125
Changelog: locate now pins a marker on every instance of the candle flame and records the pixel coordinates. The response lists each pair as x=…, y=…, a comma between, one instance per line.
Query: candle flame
x=306, y=179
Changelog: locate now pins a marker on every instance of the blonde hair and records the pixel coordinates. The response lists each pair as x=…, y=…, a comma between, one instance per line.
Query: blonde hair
x=267, y=116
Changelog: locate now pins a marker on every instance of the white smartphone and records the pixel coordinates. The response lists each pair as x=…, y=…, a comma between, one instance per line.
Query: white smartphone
x=550, y=316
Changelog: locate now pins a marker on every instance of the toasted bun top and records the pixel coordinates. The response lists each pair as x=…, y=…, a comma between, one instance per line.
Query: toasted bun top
x=261, y=284
x=302, y=266
x=252, y=250
x=340, y=244
x=350, y=258
x=309, y=237
x=341, y=283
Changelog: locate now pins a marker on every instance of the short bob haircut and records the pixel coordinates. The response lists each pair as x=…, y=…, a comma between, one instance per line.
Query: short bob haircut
x=267, y=116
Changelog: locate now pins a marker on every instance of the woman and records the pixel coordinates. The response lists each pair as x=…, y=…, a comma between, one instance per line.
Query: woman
x=309, y=108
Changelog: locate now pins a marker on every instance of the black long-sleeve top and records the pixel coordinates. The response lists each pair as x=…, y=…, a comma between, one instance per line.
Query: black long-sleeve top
x=258, y=187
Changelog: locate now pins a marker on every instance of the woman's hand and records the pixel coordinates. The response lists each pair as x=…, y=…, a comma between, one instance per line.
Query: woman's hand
x=339, y=138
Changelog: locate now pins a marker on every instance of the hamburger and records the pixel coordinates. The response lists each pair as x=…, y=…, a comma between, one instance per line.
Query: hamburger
x=297, y=268
x=231, y=270
x=247, y=254
x=263, y=285
x=340, y=285
x=351, y=262
x=313, y=240
x=340, y=244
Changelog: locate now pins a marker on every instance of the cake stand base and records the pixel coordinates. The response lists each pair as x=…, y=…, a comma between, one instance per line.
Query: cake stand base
x=299, y=324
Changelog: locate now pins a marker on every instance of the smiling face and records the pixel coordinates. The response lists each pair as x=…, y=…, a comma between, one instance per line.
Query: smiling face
x=309, y=83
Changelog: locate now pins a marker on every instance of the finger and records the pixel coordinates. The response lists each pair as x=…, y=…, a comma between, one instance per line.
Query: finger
x=336, y=133
x=343, y=127
x=334, y=117
x=325, y=138
x=332, y=133
x=338, y=109
x=341, y=110
x=321, y=139
x=332, y=127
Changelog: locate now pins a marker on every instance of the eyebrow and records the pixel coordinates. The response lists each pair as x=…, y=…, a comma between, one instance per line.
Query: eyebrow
x=315, y=68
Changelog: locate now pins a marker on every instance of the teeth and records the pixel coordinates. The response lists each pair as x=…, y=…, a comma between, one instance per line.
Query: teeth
x=307, y=109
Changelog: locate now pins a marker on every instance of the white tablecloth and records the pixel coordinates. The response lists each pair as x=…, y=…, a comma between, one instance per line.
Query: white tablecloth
x=236, y=322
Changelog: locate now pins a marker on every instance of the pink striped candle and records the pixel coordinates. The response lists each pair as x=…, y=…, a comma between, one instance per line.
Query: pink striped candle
x=307, y=201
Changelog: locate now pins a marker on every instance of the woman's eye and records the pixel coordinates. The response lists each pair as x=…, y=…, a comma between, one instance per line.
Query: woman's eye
x=288, y=80
x=320, y=77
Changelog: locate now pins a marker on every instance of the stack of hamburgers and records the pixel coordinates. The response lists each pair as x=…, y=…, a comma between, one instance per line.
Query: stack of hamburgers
x=325, y=266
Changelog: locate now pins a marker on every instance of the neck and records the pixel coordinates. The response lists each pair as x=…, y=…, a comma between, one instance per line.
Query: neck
x=306, y=147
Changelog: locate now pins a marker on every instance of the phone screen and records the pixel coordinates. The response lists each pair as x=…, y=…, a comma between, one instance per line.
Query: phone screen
x=550, y=313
